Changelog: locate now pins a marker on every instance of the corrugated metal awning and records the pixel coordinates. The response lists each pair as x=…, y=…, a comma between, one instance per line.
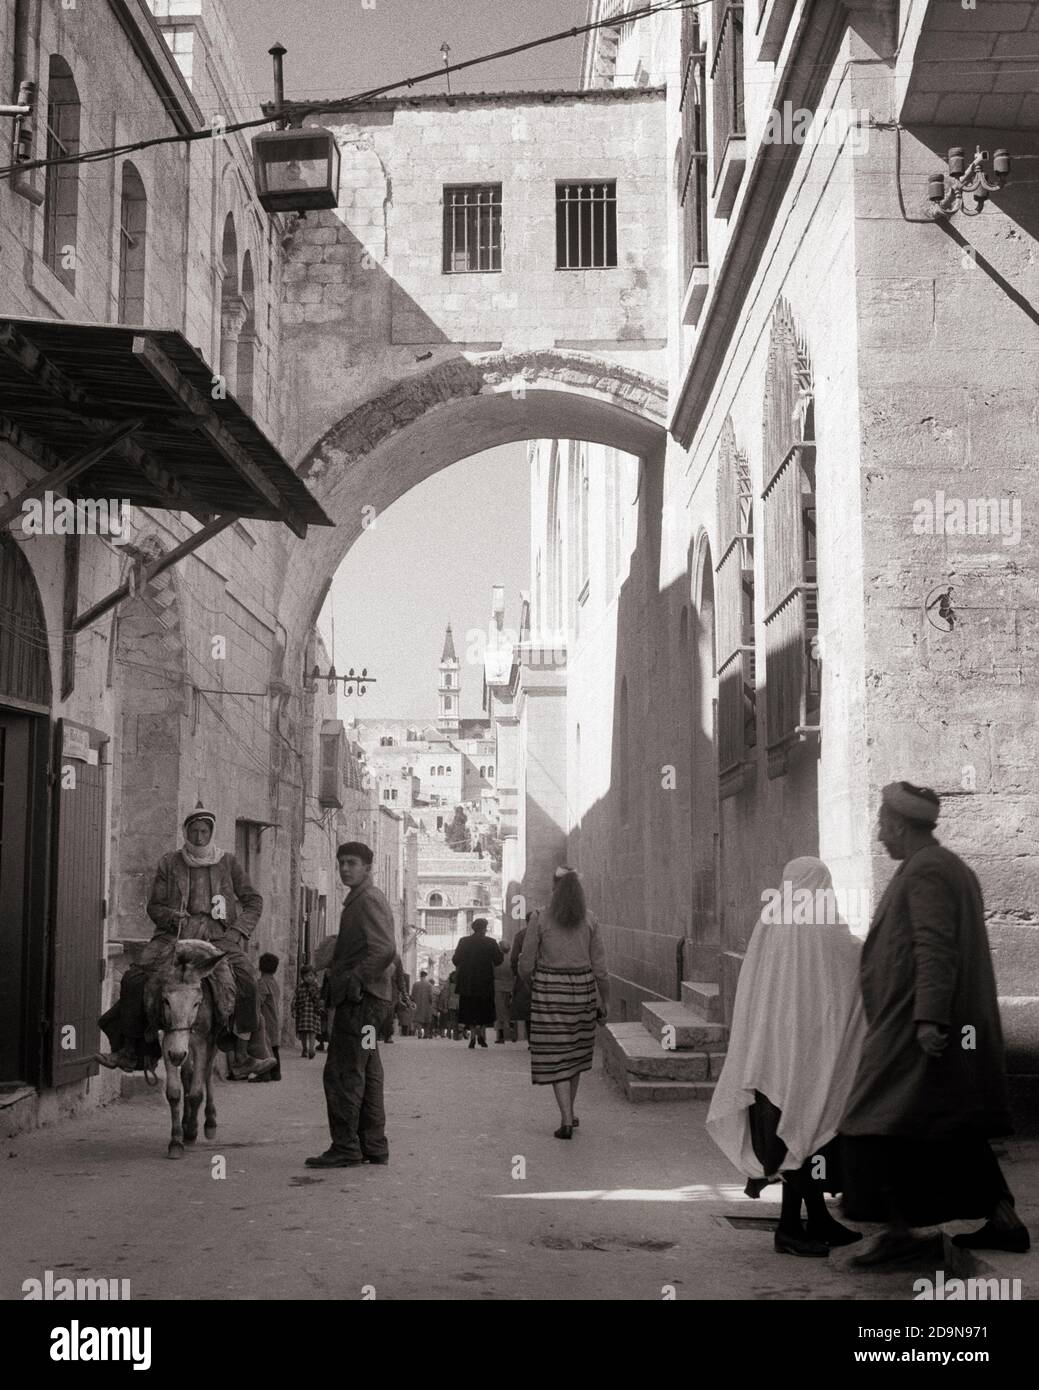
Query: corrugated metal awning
x=144, y=396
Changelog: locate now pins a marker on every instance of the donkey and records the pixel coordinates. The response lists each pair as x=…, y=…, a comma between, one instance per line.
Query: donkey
x=183, y=1008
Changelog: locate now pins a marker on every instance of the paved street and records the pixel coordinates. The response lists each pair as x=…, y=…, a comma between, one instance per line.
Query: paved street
x=635, y=1203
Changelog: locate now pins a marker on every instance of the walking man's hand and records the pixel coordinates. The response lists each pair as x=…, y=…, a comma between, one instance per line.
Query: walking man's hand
x=932, y=1038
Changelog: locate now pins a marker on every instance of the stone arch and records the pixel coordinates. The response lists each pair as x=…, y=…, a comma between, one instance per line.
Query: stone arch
x=432, y=418
x=149, y=676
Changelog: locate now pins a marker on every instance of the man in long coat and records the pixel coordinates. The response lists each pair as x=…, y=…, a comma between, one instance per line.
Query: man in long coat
x=930, y=1089
x=199, y=893
x=475, y=959
x=362, y=994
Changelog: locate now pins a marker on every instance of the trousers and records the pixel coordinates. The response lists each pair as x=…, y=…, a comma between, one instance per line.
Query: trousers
x=353, y=1079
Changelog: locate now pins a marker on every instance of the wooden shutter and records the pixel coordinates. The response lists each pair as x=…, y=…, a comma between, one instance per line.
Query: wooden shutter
x=77, y=920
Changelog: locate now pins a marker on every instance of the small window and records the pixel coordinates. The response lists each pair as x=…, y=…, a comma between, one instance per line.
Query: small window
x=586, y=226
x=133, y=226
x=472, y=228
x=61, y=188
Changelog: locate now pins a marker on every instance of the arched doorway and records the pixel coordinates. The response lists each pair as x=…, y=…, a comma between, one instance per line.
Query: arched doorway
x=25, y=704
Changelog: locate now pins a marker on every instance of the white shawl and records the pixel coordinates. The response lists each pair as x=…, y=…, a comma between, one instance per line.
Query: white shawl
x=797, y=1026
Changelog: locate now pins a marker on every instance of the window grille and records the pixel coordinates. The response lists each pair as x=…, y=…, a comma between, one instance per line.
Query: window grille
x=61, y=186
x=586, y=226
x=737, y=699
x=472, y=228
x=793, y=672
x=727, y=76
x=693, y=191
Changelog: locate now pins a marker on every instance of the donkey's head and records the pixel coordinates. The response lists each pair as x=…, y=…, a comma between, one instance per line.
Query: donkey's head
x=180, y=994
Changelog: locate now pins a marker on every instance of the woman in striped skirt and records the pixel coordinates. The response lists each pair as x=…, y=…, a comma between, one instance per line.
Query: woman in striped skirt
x=564, y=964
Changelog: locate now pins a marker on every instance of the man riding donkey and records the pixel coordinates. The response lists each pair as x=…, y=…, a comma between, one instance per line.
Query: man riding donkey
x=198, y=894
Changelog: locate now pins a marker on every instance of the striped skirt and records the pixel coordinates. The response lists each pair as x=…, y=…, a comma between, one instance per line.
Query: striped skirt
x=563, y=1005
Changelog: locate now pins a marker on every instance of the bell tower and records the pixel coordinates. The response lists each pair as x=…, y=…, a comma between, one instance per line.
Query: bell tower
x=449, y=692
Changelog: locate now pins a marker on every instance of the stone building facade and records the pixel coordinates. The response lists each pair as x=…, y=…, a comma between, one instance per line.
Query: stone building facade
x=795, y=625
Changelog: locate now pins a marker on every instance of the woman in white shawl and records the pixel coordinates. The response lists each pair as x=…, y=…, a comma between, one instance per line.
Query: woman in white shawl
x=796, y=1035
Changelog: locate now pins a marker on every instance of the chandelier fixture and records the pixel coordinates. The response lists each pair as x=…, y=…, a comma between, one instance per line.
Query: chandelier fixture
x=968, y=180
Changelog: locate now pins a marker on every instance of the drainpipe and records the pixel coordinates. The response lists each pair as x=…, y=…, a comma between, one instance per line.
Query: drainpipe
x=25, y=94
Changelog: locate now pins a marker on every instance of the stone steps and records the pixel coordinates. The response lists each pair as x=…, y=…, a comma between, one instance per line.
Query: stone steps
x=638, y=1057
x=704, y=999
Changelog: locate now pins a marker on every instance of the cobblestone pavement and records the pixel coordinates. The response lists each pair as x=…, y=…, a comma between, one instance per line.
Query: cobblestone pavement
x=479, y=1200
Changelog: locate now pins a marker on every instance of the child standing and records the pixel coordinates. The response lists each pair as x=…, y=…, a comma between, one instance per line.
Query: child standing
x=269, y=999
x=306, y=1009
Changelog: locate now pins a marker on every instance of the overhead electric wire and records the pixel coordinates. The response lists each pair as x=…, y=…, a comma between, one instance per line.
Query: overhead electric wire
x=299, y=109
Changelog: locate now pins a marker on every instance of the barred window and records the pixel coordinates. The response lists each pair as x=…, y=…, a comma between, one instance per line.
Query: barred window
x=133, y=226
x=792, y=666
x=472, y=228
x=61, y=187
x=727, y=76
x=693, y=173
x=586, y=226
x=737, y=698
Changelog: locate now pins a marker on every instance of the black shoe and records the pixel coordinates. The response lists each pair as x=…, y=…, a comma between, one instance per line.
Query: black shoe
x=834, y=1235
x=472, y=1042
x=331, y=1159
x=564, y=1132
x=799, y=1245
x=482, y=1042
x=381, y=1160
x=1016, y=1240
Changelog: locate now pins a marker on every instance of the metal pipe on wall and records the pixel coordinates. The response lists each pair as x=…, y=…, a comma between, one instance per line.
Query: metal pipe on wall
x=25, y=85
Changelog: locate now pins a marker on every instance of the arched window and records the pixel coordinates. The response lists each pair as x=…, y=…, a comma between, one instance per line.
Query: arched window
x=232, y=306
x=792, y=667
x=435, y=900
x=133, y=231
x=61, y=186
x=490, y=769
x=737, y=721
x=247, y=345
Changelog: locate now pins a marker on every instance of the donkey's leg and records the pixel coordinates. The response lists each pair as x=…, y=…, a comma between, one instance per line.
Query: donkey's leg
x=210, y=1129
x=174, y=1095
x=193, y=1087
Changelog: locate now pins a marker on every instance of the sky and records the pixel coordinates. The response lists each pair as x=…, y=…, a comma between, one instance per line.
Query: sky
x=340, y=47
x=404, y=579
x=431, y=558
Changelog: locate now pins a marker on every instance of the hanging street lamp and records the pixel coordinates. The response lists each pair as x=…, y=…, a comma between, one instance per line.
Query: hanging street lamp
x=296, y=169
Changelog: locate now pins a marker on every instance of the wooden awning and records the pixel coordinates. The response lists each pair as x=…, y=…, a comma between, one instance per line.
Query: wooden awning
x=109, y=411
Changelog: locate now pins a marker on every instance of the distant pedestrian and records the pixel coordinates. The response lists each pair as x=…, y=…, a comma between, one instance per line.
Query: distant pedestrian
x=564, y=962
x=794, y=1043
x=325, y=1019
x=400, y=999
x=503, y=1001
x=450, y=1005
x=422, y=999
x=931, y=1088
x=306, y=1009
x=269, y=998
x=362, y=993
x=475, y=959
x=520, y=1006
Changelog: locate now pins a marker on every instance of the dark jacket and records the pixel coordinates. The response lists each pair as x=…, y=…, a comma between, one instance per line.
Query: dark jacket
x=362, y=962
x=475, y=960
x=242, y=904
x=927, y=960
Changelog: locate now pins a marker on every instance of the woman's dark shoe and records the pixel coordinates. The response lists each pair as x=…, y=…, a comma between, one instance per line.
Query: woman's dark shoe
x=1015, y=1239
x=800, y=1245
x=472, y=1042
x=482, y=1042
x=833, y=1234
x=564, y=1132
